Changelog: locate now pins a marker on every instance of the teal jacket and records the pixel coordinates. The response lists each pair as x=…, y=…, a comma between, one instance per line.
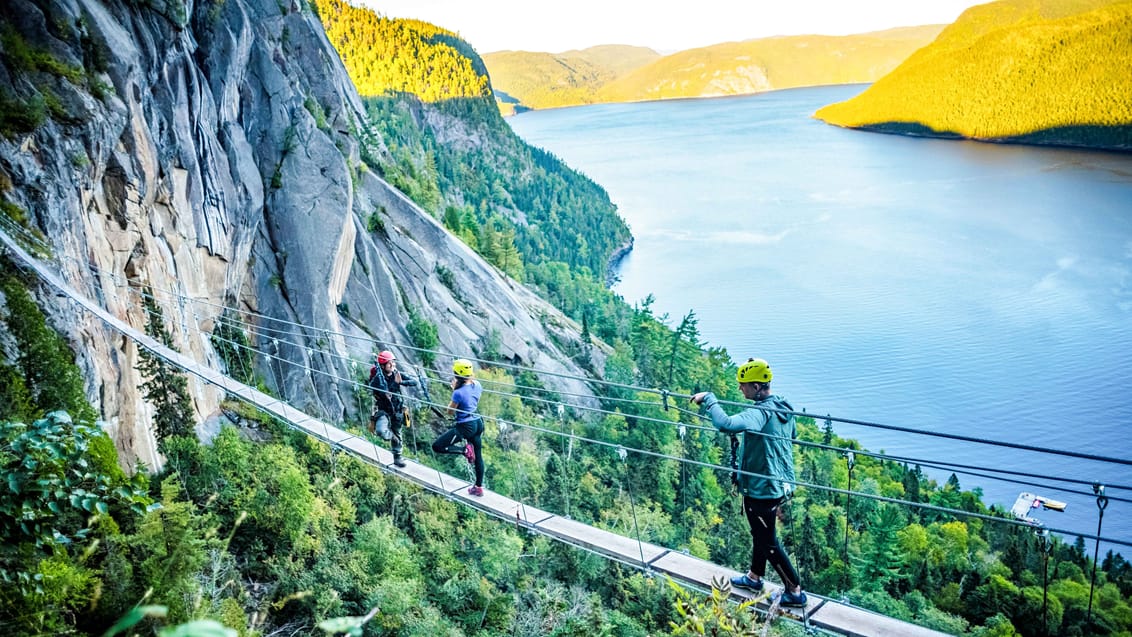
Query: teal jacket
x=766, y=444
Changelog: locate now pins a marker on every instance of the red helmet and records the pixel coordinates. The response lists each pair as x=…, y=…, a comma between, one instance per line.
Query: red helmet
x=384, y=357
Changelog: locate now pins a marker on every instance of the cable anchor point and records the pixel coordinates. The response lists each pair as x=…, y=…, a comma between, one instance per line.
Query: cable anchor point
x=1102, y=499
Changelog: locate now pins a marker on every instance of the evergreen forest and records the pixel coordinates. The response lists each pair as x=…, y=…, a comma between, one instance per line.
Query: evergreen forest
x=1027, y=71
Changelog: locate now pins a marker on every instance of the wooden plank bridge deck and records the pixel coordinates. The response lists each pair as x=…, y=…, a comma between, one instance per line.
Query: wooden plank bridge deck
x=823, y=613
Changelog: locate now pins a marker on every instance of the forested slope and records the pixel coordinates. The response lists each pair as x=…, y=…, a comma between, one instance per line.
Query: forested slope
x=1031, y=71
x=374, y=50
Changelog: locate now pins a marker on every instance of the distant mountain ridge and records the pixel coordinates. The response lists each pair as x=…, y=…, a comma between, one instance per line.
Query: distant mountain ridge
x=1027, y=71
x=616, y=73
x=526, y=80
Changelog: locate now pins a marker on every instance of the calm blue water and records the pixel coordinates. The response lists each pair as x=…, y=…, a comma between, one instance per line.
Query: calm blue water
x=975, y=289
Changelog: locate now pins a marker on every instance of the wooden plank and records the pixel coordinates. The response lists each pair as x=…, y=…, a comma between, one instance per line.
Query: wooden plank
x=619, y=546
x=365, y=449
x=504, y=507
x=858, y=622
x=429, y=478
x=686, y=568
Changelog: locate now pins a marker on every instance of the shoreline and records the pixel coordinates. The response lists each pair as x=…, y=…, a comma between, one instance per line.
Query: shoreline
x=614, y=262
x=1061, y=137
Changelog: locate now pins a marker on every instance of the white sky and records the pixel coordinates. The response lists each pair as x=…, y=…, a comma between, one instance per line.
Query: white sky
x=665, y=25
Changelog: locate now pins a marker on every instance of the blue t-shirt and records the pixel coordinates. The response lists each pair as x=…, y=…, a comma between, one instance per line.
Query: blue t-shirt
x=467, y=398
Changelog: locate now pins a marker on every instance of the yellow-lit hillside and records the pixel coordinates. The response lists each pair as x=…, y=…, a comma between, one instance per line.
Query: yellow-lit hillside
x=401, y=56
x=545, y=80
x=739, y=68
x=548, y=80
x=1038, y=71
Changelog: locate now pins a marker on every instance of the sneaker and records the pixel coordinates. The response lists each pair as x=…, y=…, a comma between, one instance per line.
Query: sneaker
x=470, y=453
x=398, y=461
x=476, y=491
x=793, y=599
x=747, y=583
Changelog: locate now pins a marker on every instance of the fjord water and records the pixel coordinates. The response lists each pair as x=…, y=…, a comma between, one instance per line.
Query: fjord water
x=945, y=286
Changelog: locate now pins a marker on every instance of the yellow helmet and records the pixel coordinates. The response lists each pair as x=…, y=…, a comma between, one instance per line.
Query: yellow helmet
x=755, y=370
x=462, y=367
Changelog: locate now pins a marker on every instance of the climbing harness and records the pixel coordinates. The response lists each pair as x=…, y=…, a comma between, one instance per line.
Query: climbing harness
x=734, y=461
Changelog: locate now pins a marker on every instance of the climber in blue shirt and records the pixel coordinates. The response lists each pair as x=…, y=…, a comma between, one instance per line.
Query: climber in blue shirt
x=469, y=425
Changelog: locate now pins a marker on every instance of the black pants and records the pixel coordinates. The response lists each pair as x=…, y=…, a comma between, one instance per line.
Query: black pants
x=765, y=545
x=471, y=431
x=388, y=426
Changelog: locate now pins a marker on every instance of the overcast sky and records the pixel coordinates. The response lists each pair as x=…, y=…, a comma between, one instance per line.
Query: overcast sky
x=664, y=25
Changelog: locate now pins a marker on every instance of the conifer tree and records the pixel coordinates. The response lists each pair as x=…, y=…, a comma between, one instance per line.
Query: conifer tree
x=880, y=564
x=166, y=389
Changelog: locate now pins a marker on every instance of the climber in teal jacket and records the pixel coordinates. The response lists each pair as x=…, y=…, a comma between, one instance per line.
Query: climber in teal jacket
x=766, y=473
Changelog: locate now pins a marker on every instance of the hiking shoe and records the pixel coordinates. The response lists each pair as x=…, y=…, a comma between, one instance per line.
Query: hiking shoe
x=470, y=453
x=398, y=461
x=793, y=599
x=747, y=583
x=476, y=491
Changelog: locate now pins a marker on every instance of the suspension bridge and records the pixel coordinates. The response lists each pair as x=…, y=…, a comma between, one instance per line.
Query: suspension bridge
x=821, y=613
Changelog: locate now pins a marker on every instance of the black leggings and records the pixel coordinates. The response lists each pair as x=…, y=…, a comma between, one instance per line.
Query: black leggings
x=765, y=545
x=471, y=431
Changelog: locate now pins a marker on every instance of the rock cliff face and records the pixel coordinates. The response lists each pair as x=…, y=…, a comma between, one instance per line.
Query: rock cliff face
x=211, y=150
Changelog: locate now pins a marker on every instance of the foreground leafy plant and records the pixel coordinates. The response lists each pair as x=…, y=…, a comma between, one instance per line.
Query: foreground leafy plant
x=49, y=489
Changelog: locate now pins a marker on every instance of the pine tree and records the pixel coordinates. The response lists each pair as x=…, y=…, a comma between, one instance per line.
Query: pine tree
x=166, y=389
x=912, y=484
x=809, y=549
x=880, y=563
x=827, y=432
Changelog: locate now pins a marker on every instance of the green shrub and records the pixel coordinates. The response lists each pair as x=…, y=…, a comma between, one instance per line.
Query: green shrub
x=15, y=399
x=449, y=280
x=714, y=615
x=21, y=116
x=52, y=490
x=316, y=111
x=13, y=212
x=232, y=346
x=45, y=361
x=27, y=58
x=374, y=223
x=423, y=334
